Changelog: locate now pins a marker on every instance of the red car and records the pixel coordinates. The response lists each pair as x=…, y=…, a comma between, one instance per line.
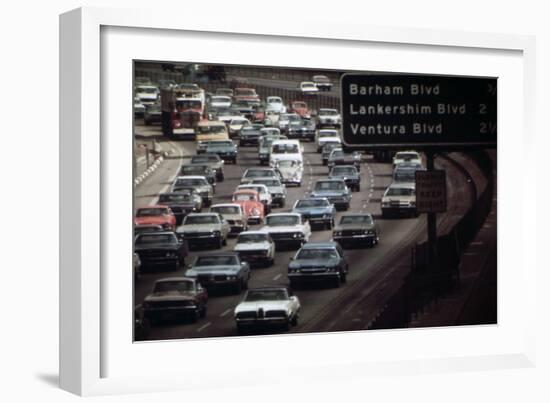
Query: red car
x=253, y=208
x=300, y=108
x=156, y=215
x=245, y=94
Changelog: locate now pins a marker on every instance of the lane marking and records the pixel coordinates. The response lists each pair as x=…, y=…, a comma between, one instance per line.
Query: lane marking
x=277, y=277
x=224, y=313
x=166, y=187
x=200, y=329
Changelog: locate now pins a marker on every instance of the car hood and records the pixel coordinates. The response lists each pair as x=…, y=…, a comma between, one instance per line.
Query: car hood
x=156, y=246
x=344, y=177
x=170, y=296
x=212, y=270
x=233, y=216
x=328, y=139
x=327, y=193
x=306, y=263
x=251, y=246
x=199, y=227
x=265, y=305
x=398, y=198
x=276, y=189
x=282, y=228
x=340, y=227
x=151, y=220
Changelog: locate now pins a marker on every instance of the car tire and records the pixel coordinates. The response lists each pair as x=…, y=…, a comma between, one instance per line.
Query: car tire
x=195, y=316
x=270, y=262
x=337, y=282
x=344, y=277
x=204, y=311
x=282, y=203
x=294, y=320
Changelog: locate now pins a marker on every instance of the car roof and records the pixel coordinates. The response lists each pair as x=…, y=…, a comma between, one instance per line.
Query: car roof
x=351, y=214
x=315, y=245
x=190, y=177
x=245, y=191
x=158, y=233
x=312, y=198
x=404, y=185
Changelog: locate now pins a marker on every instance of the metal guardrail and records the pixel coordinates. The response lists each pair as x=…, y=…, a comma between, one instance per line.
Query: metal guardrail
x=421, y=286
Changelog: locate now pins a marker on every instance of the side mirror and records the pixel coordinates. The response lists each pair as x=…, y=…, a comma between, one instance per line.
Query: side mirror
x=291, y=258
x=294, y=298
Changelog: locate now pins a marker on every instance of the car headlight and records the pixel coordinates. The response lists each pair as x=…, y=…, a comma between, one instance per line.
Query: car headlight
x=326, y=215
x=298, y=235
x=216, y=233
x=171, y=254
x=337, y=233
x=413, y=204
x=385, y=204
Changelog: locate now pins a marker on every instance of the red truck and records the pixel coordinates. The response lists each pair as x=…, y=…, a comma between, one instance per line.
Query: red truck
x=182, y=108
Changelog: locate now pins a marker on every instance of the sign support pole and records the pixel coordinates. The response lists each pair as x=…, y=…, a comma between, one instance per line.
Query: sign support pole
x=432, y=223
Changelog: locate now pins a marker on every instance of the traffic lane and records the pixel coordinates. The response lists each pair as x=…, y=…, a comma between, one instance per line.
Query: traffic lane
x=219, y=319
x=220, y=322
x=355, y=310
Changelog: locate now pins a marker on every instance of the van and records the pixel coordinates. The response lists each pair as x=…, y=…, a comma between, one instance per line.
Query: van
x=285, y=150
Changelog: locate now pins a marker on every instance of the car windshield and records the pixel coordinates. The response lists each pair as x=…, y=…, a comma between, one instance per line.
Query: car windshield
x=148, y=212
x=344, y=171
x=267, y=132
x=328, y=147
x=337, y=154
x=244, y=197
x=329, y=185
x=193, y=170
x=258, y=173
x=188, y=86
x=226, y=260
x=226, y=210
x=245, y=92
x=183, y=104
x=328, y=134
x=321, y=254
x=406, y=156
x=239, y=122
x=252, y=238
x=404, y=176
x=175, y=198
x=201, y=219
x=220, y=99
x=191, y=182
x=147, y=90
x=299, y=105
x=153, y=108
x=312, y=203
x=267, y=182
x=285, y=149
x=274, y=100
x=400, y=192
x=356, y=219
x=308, y=85
x=145, y=239
x=139, y=229
x=174, y=286
x=281, y=220
x=328, y=112
x=321, y=79
x=266, y=295
x=257, y=188
x=209, y=129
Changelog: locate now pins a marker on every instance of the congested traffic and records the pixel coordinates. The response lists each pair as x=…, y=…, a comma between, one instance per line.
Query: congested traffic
x=292, y=198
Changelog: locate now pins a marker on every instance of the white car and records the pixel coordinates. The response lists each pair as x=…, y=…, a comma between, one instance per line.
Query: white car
x=287, y=229
x=234, y=215
x=271, y=117
x=291, y=170
x=275, y=104
x=220, y=101
x=267, y=306
x=411, y=157
x=327, y=117
x=308, y=88
x=255, y=247
x=399, y=199
x=275, y=187
x=327, y=136
x=258, y=172
x=226, y=116
x=286, y=149
x=322, y=82
x=263, y=191
x=235, y=125
x=272, y=131
x=147, y=94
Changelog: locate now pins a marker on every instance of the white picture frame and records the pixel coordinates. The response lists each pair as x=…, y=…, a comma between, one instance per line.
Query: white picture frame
x=94, y=360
